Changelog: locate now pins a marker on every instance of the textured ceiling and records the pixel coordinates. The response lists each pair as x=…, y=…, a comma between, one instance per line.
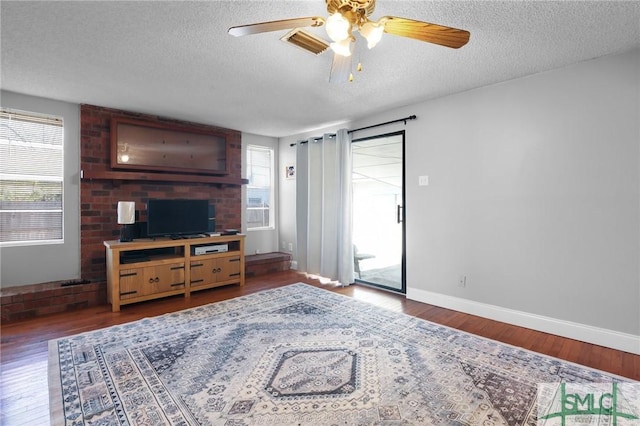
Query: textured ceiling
x=176, y=59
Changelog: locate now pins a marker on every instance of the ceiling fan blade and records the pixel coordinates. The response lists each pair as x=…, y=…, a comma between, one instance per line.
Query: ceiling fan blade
x=424, y=31
x=340, y=69
x=283, y=24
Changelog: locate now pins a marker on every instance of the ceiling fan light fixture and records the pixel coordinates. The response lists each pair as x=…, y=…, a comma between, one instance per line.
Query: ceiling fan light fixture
x=338, y=27
x=346, y=16
x=372, y=32
x=342, y=48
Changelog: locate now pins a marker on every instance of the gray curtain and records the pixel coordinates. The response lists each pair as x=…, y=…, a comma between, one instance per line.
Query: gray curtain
x=324, y=207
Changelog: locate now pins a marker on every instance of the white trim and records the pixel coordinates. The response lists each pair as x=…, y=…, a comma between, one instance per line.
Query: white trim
x=586, y=333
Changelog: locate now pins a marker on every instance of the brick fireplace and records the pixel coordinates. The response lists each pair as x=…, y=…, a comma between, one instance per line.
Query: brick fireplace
x=98, y=218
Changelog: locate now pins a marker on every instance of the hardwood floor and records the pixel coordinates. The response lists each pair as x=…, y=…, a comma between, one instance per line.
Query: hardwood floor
x=24, y=398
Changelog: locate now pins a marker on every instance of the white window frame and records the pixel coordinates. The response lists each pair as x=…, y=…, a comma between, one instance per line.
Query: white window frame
x=55, y=120
x=56, y=262
x=271, y=207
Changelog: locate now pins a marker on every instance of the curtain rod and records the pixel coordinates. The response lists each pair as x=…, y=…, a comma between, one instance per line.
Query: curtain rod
x=405, y=119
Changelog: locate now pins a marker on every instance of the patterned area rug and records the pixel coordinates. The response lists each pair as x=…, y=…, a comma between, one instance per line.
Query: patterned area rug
x=296, y=355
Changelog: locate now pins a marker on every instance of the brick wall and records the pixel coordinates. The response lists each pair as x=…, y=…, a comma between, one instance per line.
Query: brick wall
x=99, y=198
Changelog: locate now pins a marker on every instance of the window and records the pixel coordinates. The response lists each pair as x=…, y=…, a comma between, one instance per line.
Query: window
x=31, y=178
x=260, y=188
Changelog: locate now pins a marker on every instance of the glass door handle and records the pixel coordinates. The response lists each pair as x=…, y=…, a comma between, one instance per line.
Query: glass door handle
x=399, y=213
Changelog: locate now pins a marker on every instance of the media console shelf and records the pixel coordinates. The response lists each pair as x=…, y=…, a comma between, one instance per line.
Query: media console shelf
x=147, y=269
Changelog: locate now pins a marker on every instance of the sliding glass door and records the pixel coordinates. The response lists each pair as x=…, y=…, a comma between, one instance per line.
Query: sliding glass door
x=378, y=210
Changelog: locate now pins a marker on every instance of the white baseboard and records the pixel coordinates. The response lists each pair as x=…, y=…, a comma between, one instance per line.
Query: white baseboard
x=585, y=333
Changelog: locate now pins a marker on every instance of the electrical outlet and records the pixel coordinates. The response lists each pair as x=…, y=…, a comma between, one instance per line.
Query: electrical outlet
x=462, y=281
x=290, y=246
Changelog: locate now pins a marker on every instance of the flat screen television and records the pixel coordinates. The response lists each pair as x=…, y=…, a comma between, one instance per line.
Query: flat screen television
x=175, y=217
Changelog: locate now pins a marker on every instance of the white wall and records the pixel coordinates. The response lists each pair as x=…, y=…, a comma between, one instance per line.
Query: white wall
x=259, y=241
x=534, y=195
x=287, y=199
x=34, y=264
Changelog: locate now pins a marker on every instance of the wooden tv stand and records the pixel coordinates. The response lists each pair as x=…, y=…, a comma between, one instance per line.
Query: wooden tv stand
x=148, y=269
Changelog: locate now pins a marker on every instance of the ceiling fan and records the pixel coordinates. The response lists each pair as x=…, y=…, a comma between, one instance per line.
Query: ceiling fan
x=347, y=16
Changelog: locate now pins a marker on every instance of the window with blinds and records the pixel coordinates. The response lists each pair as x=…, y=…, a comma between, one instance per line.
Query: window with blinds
x=260, y=187
x=31, y=177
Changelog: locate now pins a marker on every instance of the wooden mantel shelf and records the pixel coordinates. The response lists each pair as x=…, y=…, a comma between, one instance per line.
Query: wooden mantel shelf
x=159, y=177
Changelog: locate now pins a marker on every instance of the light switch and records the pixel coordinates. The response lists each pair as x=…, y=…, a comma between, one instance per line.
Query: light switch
x=423, y=180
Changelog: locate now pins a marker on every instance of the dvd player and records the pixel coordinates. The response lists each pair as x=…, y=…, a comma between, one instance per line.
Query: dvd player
x=214, y=248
